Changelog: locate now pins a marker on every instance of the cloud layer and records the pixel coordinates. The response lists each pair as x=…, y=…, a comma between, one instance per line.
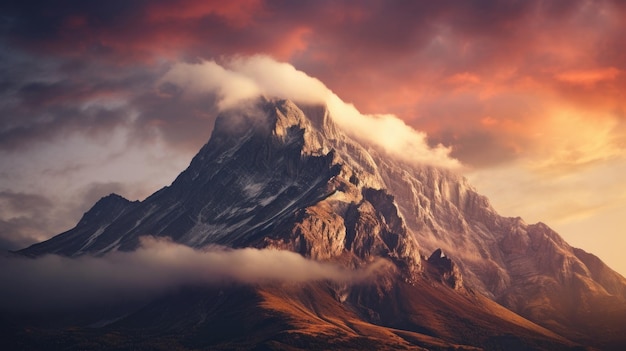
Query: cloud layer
x=158, y=266
x=479, y=77
x=244, y=78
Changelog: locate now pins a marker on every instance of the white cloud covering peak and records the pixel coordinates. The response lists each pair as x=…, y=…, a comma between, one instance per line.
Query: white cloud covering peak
x=244, y=78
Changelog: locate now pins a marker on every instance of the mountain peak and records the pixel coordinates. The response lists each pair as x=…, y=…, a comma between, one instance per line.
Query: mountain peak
x=280, y=119
x=276, y=174
x=104, y=207
x=87, y=232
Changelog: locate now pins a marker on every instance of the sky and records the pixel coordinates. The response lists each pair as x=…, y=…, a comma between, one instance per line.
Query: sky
x=527, y=96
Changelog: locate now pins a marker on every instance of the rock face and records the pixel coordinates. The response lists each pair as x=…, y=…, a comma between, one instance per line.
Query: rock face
x=284, y=176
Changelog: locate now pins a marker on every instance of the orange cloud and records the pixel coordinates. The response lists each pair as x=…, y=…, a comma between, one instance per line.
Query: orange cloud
x=292, y=43
x=570, y=139
x=464, y=78
x=588, y=77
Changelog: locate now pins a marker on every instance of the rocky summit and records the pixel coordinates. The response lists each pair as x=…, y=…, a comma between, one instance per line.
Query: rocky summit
x=276, y=174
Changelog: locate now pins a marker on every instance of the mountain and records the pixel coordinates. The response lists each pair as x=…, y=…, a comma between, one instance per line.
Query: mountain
x=276, y=174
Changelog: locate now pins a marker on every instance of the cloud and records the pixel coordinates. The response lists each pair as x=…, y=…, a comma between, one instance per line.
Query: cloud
x=588, y=77
x=46, y=99
x=209, y=77
x=392, y=57
x=244, y=78
x=77, y=172
x=157, y=266
x=17, y=203
x=19, y=232
x=23, y=218
x=239, y=12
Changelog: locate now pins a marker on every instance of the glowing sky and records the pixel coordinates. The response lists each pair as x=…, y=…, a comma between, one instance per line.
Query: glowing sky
x=529, y=95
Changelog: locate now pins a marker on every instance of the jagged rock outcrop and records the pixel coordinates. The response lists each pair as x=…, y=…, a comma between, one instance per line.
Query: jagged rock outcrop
x=441, y=267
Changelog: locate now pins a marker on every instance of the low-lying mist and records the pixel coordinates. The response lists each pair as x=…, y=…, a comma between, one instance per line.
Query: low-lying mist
x=158, y=266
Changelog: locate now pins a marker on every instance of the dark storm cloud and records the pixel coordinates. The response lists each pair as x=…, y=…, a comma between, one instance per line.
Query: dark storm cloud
x=385, y=28
x=43, y=25
x=366, y=31
x=158, y=266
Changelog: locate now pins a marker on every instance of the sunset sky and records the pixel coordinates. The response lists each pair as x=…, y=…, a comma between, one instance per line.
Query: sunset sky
x=529, y=96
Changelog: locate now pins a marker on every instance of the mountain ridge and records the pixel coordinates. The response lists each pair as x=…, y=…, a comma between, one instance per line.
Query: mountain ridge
x=275, y=174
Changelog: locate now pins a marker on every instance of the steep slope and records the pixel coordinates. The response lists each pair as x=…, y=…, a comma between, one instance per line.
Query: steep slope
x=306, y=317
x=528, y=268
x=279, y=175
